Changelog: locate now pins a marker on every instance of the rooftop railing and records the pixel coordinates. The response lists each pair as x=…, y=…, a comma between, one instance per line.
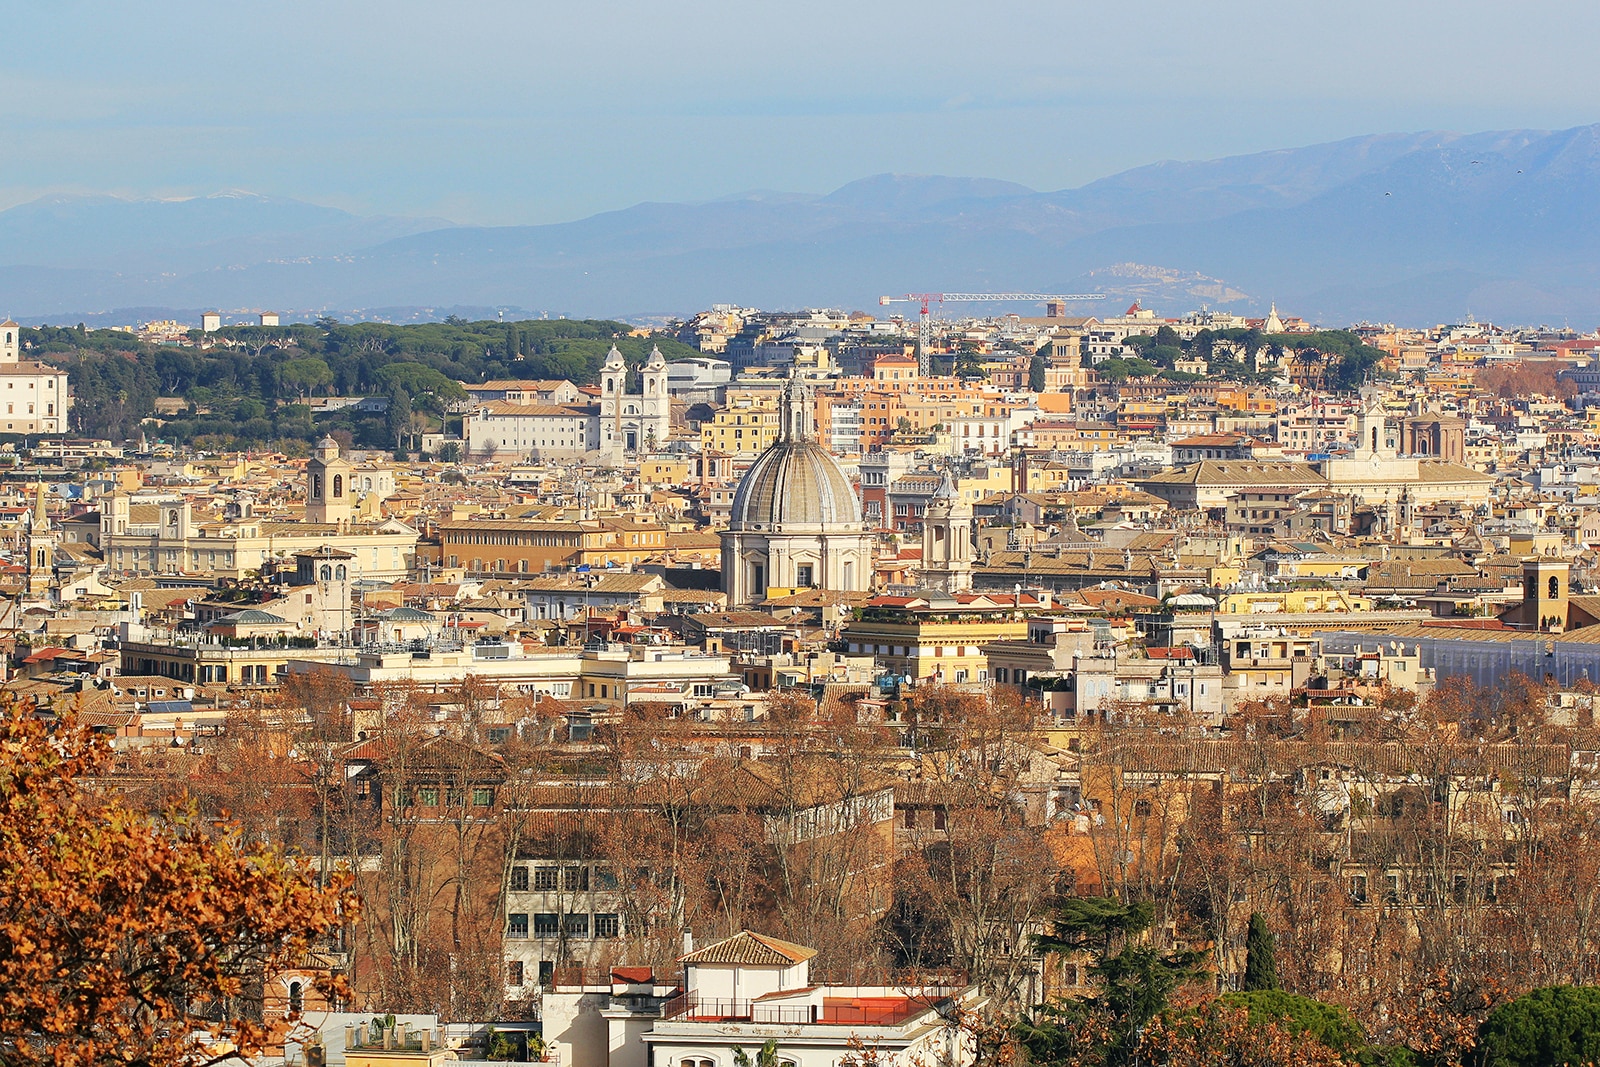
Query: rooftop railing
x=889, y=1010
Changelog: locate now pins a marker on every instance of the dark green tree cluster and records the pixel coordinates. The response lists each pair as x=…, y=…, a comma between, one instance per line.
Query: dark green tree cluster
x=1558, y=1026
x=1133, y=984
x=1119, y=369
x=249, y=385
x=1354, y=360
x=1132, y=978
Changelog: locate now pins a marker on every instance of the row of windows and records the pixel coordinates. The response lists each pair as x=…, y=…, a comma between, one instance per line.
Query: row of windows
x=573, y=879
x=560, y=426
x=428, y=797
x=536, y=540
x=494, y=565
x=577, y=924
x=249, y=674
x=172, y=556
x=867, y=648
x=1423, y=889
x=542, y=444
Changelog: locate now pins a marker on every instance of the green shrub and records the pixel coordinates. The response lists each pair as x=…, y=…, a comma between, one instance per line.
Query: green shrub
x=1324, y=1023
x=1555, y=1026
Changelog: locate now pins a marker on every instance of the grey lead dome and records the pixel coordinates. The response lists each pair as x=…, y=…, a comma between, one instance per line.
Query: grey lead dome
x=793, y=483
x=796, y=483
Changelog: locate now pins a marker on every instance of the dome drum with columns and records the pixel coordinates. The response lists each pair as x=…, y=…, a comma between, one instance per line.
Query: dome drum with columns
x=795, y=522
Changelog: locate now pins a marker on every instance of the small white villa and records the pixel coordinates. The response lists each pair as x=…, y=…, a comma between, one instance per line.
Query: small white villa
x=737, y=994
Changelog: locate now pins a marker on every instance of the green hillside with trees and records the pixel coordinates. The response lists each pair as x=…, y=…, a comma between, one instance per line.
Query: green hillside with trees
x=249, y=386
x=1352, y=358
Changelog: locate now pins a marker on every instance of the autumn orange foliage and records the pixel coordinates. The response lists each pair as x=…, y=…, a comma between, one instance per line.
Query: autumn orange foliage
x=128, y=938
x=1219, y=1034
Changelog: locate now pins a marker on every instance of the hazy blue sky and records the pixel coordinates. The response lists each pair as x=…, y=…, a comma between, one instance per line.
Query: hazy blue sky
x=503, y=111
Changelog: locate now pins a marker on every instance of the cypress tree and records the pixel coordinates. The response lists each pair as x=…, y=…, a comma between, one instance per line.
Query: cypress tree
x=1260, y=956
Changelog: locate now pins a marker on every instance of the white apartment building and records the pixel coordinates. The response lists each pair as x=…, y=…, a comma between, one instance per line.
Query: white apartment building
x=34, y=397
x=844, y=427
x=987, y=435
x=613, y=673
x=542, y=432
x=698, y=373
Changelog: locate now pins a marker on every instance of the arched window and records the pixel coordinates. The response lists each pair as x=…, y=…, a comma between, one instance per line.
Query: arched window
x=340, y=572
x=297, y=997
x=1555, y=588
x=327, y=573
x=316, y=487
x=338, y=486
x=611, y=385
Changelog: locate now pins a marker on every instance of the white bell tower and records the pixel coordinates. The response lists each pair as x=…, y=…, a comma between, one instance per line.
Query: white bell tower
x=655, y=375
x=10, y=342
x=947, y=540
x=1372, y=426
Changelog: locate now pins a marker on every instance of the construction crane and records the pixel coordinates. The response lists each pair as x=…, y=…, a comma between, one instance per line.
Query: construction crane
x=924, y=333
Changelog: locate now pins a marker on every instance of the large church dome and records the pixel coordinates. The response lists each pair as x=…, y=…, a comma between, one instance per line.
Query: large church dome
x=796, y=482
x=792, y=483
x=795, y=522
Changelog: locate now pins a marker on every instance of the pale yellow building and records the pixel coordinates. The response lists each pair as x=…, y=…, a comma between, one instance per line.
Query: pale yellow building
x=748, y=424
x=164, y=537
x=1293, y=601
x=946, y=646
x=664, y=470
x=162, y=534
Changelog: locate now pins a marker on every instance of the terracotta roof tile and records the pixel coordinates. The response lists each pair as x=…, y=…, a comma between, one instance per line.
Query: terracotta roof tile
x=751, y=950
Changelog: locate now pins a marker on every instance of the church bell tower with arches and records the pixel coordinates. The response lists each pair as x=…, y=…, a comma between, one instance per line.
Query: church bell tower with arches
x=330, y=497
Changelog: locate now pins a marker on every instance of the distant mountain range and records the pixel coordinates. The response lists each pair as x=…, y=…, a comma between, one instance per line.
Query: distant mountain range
x=1413, y=228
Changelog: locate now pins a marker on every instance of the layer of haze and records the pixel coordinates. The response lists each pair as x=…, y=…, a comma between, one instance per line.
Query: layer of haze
x=501, y=111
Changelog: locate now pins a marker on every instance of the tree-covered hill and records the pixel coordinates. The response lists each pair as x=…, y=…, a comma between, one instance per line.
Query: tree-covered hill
x=1350, y=358
x=250, y=385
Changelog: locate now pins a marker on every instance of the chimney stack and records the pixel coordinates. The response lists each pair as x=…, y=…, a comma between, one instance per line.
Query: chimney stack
x=688, y=940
